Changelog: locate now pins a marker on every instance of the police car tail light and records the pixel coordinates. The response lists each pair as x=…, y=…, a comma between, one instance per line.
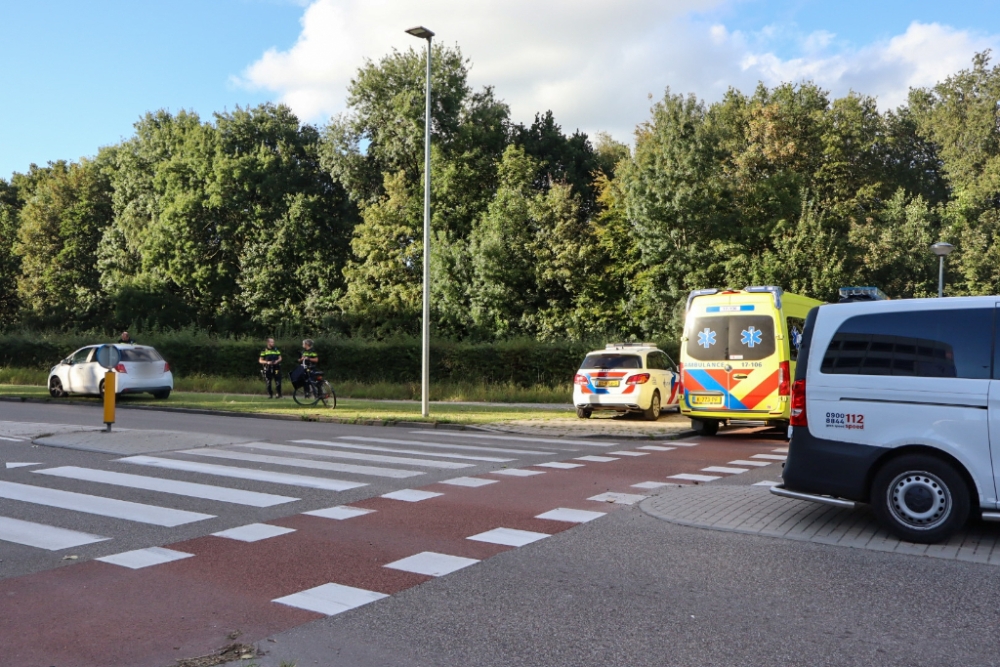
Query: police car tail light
x=784, y=379
x=641, y=378
x=120, y=368
x=580, y=380
x=798, y=415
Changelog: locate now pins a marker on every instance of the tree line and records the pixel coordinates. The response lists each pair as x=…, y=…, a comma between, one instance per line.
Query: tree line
x=254, y=222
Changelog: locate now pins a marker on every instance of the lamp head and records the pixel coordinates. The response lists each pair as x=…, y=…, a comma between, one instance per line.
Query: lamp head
x=942, y=249
x=421, y=32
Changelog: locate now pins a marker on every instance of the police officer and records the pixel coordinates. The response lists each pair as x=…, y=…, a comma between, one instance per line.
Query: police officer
x=270, y=361
x=126, y=339
x=309, y=358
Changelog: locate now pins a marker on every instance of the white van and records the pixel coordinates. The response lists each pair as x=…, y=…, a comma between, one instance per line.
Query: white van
x=897, y=404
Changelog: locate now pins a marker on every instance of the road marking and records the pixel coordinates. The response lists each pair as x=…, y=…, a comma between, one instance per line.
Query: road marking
x=111, y=507
x=684, y=443
x=468, y=481
x=558, y=465
x=769, y=457
x=411, y=495
x=44, y=537
x=355, y=456
x=330, y=599
x=519, y=438
x=570, y=515
x=432, y=564
x=304, y=463
x=340, y=512
x=627, y=453
x=618, y=498
x=782, y=450
x=694, y=478
x=254, y=532
x=190, y=489
x=140, y=558
x=759, y=464
x=3, y=437
x=766, y=482
x=244, y=473
x=657, y=448
x=596, y=459
x=517, y=472
x=373, y=448
x=12, y=464
x=651, y=485
x=724, y=470
x=440, y=445
x=509, y=537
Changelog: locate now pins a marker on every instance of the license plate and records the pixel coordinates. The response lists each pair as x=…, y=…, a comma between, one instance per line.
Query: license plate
x=607, y=383
x=706, y=399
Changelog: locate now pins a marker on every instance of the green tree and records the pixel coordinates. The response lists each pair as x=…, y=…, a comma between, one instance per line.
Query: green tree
x=10, y=263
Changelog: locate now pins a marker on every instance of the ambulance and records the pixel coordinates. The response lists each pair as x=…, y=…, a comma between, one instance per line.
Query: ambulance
x=738, y=355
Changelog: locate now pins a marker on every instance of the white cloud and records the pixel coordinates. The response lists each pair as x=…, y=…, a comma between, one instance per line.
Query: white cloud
x=595, y=63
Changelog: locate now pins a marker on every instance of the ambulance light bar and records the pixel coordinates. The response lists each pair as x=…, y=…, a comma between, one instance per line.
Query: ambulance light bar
x=700, y=292
x=773, y=289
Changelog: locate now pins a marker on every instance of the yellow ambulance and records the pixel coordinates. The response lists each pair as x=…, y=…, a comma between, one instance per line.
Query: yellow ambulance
x=738, y=355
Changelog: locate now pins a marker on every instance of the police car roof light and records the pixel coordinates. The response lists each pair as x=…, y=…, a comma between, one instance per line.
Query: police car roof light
x=862, y=294
x=618, y=346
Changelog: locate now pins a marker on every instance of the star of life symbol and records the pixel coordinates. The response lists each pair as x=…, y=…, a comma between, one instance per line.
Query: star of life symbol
x=706, y=338
x=751, y=337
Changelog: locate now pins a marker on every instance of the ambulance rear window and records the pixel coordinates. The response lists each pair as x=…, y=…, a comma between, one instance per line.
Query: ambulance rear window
x=611, y=361
x=731, y=337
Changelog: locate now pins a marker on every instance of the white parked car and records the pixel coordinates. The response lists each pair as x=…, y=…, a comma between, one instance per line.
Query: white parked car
x=141, y=369
x=626, y=377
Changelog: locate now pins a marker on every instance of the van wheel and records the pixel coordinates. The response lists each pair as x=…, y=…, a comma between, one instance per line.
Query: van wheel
x=583, y=413
x=653, y=413
x=705, y=426
x=920, y=498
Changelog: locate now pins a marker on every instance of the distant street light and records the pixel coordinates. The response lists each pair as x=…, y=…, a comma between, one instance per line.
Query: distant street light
x=942, y=250
x=425, y=374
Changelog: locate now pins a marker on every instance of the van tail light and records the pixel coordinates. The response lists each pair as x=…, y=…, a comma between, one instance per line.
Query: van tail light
x=640, y=378
x=784, y=379
x=798, y=414
x=120, y=368
x=166, y=367
x=580, y=380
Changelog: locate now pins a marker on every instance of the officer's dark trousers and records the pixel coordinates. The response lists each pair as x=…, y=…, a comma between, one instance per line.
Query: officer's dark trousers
x=273, y=376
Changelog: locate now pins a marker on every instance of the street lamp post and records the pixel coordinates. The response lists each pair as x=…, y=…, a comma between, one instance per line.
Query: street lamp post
x=942, y=250
x=425, y=374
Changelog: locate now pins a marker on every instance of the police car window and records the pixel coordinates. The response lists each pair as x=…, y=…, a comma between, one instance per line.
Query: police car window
x=736, y=337
x=140, y=354
x=653, y=361
x=611, y=361
x=933, y=343
x=795, y=326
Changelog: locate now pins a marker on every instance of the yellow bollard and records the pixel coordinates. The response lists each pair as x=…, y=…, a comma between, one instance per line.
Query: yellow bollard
x=109, y=399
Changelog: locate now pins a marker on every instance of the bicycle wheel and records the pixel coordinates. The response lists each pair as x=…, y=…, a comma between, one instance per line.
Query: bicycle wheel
x=306, y=395
x=327, y=395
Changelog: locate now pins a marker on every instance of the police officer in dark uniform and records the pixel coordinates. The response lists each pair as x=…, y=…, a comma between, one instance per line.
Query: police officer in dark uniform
x=126, y=339
x=270, y=361
x=309, y=359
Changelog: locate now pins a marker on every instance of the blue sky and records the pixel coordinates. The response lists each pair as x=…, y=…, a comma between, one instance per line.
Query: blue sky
x=76, y=76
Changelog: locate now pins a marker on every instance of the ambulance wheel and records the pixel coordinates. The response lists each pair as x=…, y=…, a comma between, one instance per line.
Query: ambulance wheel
x=705, y=426
x=583, y=413
x=653, y=413
x=920, y=498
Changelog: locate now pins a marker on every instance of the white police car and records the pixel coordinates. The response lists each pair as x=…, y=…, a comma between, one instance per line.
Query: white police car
x=141, y=370
x=626, y=377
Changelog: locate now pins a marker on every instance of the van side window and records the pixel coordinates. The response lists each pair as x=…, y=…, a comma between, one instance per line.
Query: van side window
x=932, y=343
x=796, y=326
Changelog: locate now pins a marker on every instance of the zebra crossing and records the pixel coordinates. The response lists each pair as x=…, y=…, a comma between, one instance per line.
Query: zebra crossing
x=280, y=475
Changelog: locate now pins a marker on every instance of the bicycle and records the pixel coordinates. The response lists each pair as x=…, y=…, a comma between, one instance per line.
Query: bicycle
x=312, y=389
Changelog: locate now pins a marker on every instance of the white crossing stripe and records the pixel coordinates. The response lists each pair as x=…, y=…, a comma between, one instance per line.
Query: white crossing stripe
x=439, y=445
x=657, y=448
x=684, y=443
x=432, y=564
x=411, y=495
x=3, y=437
x=766, y=482
x=596, y=459
x=330, y=599
x=570, y=515
x=392, y=450
x=254, y=532
x=627, y=453
x=769, y=457
x=517, y=472
x=521, y=438
x=652, y=485
x=758, y=464
x=99, y=505
x=509, y=537
x=140, y=558
x=694, y=478
x=13, y=464
x=340, y=512
x=355, y=456
x=618, y=498
x=558, y=465
x=471, y=482
x=782, y=450
x=189, y=489
x=44, y=537
x=303, y=463
x=724, y=470
x=244, y=473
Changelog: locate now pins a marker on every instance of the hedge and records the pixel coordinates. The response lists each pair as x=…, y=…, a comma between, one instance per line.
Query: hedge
x=522, y=362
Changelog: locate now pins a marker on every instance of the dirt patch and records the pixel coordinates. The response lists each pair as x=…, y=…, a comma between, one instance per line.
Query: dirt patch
x=222, y=656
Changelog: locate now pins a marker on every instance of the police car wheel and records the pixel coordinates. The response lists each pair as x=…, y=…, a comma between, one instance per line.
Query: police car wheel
x=653, y=413
x=583, y=413
x=920, y=498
